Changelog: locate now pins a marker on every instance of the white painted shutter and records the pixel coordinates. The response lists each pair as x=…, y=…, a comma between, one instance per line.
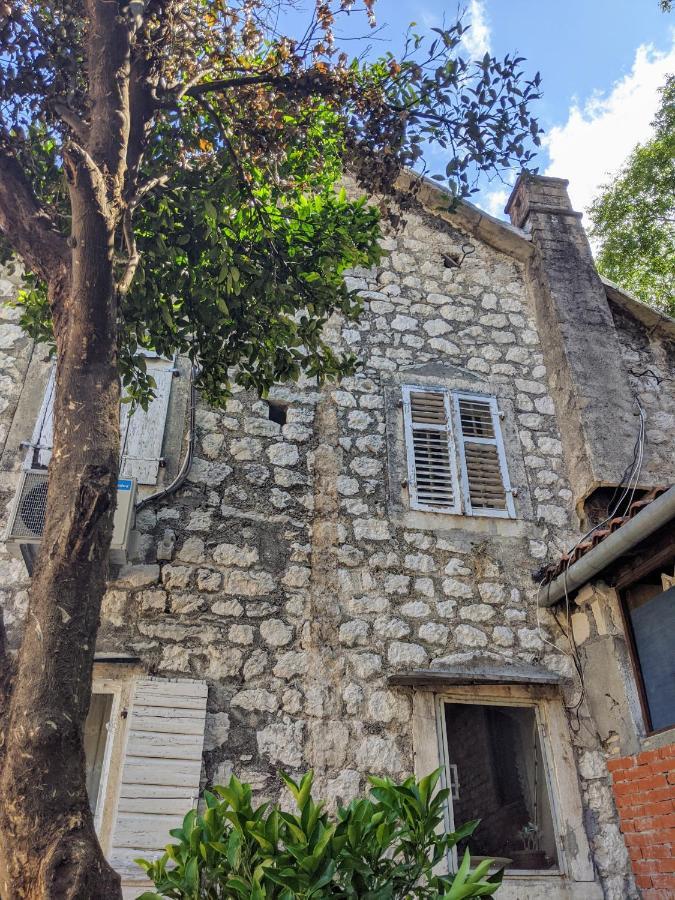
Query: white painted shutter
x=485, y=477
x=40, y=451
x=161, y=770
x=142, y=431
x=432, y=469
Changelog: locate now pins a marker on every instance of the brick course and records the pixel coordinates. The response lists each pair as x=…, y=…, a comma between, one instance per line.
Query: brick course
x=644, y=790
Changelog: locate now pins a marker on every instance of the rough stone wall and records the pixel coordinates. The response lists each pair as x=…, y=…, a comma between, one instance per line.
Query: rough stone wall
x=295, y=590
x=648, y=356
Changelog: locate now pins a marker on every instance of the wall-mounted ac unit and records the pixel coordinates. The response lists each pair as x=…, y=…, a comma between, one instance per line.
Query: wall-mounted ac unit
x=27, y=518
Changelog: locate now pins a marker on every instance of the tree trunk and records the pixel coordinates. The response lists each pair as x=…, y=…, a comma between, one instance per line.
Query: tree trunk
x=48, y=845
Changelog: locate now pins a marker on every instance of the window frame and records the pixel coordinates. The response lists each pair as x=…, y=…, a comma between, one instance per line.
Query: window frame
x=145, y=469
x=524, y=702
x=456, y=442
x=577, y=876
x=111, y=770
x=634, y=656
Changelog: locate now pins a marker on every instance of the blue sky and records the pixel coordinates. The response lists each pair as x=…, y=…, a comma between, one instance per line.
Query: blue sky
x=601, y=61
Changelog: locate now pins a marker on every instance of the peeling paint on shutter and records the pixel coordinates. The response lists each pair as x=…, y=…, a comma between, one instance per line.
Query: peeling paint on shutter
x=40, y=451
x=142, y=431
x=485, y=478
x=432, y=469
x=161, y=770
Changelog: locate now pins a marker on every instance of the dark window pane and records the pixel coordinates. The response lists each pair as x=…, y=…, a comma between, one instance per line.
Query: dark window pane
x=652, y=618
x=502, y=782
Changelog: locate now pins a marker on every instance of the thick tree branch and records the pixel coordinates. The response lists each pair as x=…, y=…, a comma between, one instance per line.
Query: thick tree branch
x=26, y=224
x=108, y=67
x=79, y=128
x=304, y=82
x=133, y=256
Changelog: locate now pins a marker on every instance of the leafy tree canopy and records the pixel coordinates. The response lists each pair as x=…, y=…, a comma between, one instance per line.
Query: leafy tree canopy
x=634, y=216
x=231, y=239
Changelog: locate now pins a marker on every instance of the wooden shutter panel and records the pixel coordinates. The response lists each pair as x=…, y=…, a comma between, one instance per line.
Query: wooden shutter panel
x=484, y=473
x=142, y=431
x=161, y=770
x=432, y=470
x=40, y=451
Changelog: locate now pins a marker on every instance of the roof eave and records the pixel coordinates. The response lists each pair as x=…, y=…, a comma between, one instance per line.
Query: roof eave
x=492, y=231
x=646, y=314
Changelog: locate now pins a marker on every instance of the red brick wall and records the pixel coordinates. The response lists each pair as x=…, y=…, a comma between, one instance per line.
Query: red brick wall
x=644, y=790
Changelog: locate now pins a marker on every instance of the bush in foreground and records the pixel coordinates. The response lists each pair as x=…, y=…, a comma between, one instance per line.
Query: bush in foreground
x=381, y=847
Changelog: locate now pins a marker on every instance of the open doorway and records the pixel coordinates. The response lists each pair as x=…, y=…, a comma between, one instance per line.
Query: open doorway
x=497, y=775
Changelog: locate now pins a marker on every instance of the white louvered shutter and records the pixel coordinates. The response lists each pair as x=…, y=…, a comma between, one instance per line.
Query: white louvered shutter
x=485, y=478
x=160, y=772
x=142, y=431
x=432, y=469
x=40, y=451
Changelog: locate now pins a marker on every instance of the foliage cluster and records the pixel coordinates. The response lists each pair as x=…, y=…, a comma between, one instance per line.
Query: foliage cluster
x=382, y=847
x=634, y=216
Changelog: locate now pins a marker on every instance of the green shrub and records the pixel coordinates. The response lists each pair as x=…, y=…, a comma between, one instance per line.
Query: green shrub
x=381, y=847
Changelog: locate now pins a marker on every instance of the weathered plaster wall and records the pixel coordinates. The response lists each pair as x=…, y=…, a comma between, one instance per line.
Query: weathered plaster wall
x=297, y=580
x=589, y=385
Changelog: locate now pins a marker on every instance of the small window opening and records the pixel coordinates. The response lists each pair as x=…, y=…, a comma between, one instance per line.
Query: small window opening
x=497, y=772
x=277, y=413
x=96, y=730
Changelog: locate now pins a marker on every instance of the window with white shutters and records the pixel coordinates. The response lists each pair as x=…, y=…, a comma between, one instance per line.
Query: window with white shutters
x=141, y=431
x=447, y=432
x=432, y=468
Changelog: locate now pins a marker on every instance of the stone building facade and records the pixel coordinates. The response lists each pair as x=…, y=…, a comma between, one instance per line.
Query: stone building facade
x=299, y=601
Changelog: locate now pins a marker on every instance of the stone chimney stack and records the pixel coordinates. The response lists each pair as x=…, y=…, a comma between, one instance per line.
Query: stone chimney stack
x=588, y=383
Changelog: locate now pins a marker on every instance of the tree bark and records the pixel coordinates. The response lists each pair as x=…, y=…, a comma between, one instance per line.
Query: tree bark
x=48, y=845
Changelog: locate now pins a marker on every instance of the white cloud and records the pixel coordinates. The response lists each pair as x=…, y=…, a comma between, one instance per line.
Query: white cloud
x=476, y=40
x=495, y=201
x=600, y=133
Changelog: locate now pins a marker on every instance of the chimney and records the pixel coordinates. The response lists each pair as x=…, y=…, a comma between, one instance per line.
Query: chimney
x=589, y=386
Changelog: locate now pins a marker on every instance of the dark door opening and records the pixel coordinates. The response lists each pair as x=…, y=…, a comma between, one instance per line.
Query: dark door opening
x=501, y=780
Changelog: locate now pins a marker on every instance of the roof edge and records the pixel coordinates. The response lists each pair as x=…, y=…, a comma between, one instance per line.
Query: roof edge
x=498, y=234
x=646, y=314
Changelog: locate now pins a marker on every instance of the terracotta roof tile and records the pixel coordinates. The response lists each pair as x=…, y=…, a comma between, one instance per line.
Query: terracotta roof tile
x=568, y=559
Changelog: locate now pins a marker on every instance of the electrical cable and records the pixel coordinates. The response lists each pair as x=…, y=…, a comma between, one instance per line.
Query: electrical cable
x=189, y=453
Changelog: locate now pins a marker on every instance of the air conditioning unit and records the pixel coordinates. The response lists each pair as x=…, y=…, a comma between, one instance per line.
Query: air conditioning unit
x=27, y=518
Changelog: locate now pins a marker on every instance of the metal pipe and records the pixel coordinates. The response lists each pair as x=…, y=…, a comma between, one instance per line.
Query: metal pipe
x=658, y=513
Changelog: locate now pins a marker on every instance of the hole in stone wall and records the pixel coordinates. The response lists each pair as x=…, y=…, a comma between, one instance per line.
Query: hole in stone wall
x=277, y=413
